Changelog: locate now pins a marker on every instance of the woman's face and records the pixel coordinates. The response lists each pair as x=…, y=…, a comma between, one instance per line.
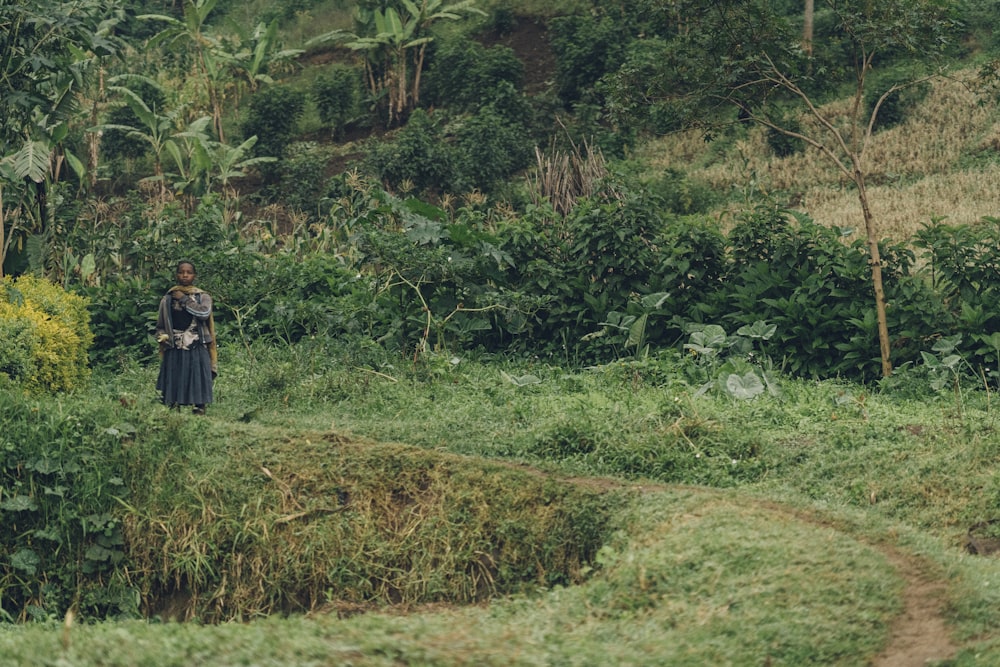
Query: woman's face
x=185, y=275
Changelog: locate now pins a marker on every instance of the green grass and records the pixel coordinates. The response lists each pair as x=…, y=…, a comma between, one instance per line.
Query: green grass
x=737, y=532
x=683, y=585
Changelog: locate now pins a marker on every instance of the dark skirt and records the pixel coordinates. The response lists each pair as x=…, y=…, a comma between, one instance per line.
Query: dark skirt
x=186, y=376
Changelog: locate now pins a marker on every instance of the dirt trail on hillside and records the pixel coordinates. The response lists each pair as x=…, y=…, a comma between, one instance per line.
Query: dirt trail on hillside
x=919, y=636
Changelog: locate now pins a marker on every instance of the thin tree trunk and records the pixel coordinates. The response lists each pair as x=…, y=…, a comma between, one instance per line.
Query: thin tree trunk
x=876, y=263
x=807, y=28
x=419, y=67
x=94, y=138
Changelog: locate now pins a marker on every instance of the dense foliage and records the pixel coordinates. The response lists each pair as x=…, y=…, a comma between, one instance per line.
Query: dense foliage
x=46, y=335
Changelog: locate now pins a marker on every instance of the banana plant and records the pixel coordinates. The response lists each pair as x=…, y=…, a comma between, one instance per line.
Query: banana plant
x=253, y=64
x=388, y=35
x=154, y=128
x=203, y=163
x=212, y=59
x=31, y=163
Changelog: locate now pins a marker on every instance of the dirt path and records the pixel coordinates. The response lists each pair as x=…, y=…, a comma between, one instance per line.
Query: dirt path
x=919, y=635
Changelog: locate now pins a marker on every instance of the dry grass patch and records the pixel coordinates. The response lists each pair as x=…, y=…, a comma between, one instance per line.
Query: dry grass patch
x=914, y=169
x=296, y=524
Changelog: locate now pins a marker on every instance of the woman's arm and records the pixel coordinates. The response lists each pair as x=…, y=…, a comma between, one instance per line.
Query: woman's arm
x=199, y=305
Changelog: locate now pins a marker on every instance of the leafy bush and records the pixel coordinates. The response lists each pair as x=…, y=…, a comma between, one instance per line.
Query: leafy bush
x=465, y=75
x=60, y=479
x=781, y=144
x=418, y=156
x=301, y=179
x=489, y=149
x=123, y=316
x=691, y=265
x=586, y=48
x=116, y=143
x=899, y=104
x=338, y=93
x=583, y=268
x=964, y=266
x=680, y=194
x=501, y=21
x=817, y=290
x=272, y=115
x=49, y=335
x=319, y=296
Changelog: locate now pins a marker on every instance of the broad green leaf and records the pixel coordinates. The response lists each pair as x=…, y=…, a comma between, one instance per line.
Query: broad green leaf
x=745, y=386
x=951, y=361
x=947, y=343
x=19, y=504
x=425, y=232
x=521, y=381
x=25, y=560
x=75, y=164
x=32, y=161
x=759, y=329
x=655, y=300
x=712, y=336
x=637, y=332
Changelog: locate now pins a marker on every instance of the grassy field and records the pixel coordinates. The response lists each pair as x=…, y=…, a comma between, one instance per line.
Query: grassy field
x=809, y=527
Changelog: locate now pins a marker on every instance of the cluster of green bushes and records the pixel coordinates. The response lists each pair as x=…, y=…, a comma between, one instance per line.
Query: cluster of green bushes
x=45, y=333
x=619, y=270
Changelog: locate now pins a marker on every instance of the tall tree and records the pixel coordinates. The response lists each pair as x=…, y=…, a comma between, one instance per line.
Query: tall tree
x=47, y=52
x=740, y=54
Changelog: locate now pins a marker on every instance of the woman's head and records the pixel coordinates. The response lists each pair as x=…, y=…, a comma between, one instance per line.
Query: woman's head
x=186, y=273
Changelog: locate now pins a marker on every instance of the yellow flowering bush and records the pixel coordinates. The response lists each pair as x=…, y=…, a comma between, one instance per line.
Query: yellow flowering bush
x=44, y=334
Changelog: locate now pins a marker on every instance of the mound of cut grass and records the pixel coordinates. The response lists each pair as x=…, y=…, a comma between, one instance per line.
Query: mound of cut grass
x=267, y=524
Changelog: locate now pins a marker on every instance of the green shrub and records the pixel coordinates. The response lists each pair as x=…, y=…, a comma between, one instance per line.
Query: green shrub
x=49, y=334
x=320, y=296
x=116, y=143
x=899, y=104
x=338, y=93
x=464, y=74
x=586, y=48
x=817, y=289
x=501, y=22
x=680, y=194
x=490, y=149
x=62, y=539
x=691, y=265
x=123, y=316
x=272, y=115
x=583, y=268
x=781, y=144
x=301, y=179
x=963, y=262
x=417, y=156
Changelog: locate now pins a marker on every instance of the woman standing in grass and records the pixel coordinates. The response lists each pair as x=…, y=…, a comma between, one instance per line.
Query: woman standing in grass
x=185, y=331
